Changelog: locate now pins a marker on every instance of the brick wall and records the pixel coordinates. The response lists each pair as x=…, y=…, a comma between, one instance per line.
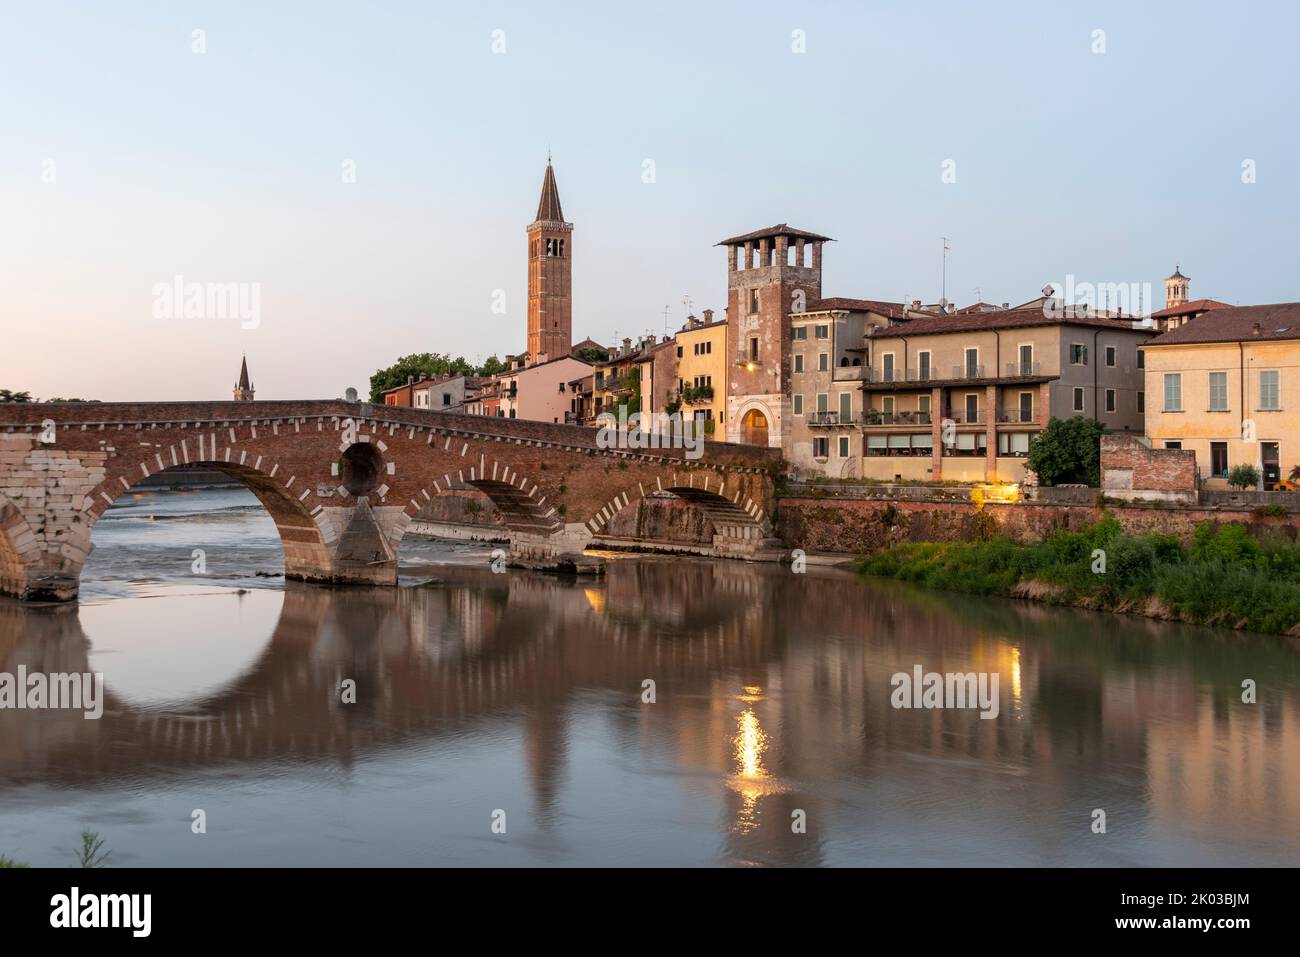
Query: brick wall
x=861, y=526
x=1129, y=469
x=552, y=482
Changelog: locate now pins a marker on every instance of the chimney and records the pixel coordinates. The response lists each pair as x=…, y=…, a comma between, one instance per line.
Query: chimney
x=708, y=316
x=1006, y=305
x=916, y=303
x=1255, y=330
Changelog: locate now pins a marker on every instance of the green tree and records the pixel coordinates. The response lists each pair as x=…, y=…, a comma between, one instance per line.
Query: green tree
x=426, y=364
x=592, y=354
x=7, y=396
x=429, y=365
x=1068, y=451
x=1243, y=476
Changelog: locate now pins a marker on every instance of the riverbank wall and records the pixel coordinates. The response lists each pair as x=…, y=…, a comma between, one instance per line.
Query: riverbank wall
x=866, y=526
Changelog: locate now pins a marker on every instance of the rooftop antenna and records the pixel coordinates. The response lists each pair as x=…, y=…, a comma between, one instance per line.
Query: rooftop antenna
x=667, y=310
x=978, y=296
x=943, y=294
x=687, y=301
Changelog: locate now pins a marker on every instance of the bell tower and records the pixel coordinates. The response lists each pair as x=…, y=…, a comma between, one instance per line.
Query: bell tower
x=550, y=276
x=1176, y=287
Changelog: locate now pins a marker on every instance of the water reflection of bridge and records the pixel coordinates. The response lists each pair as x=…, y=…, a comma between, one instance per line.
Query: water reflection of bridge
x=766, y=680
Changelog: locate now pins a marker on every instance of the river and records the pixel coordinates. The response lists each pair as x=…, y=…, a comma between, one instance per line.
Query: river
x=516, y=701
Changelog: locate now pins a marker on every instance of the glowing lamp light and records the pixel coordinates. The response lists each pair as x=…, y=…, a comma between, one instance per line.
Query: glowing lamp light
x=1001, y=492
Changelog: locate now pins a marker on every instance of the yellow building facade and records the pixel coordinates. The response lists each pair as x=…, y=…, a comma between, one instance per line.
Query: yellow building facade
x=1226, y=386
x=702, y=373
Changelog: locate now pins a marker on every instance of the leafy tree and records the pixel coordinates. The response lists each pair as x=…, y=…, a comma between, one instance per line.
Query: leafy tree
x=7, y=396
x=429, y=365
x=70, y=400
x=1068, y=451
x=426, y=364
x=592, y=354
x=632, y=383
x=1243, y=476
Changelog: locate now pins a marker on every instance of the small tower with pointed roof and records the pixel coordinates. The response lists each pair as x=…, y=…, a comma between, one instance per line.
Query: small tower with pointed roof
x=1176, y=287
x=243, y=388
x=550, y=276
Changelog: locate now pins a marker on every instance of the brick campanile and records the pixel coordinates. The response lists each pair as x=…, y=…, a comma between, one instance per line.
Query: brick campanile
x=550, y=276
x=771, y=273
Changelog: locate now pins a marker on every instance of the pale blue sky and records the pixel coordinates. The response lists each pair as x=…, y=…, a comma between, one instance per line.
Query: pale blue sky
x=226, y=167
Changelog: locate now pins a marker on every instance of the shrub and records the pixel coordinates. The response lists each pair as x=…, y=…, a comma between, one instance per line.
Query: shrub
x=1243, y=476
x=1226, y=577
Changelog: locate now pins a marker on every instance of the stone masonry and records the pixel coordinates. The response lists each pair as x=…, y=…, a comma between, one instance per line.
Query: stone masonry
x=342, y=515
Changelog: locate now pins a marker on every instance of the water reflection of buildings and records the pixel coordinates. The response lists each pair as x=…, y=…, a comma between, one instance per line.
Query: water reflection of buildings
x=773, y=688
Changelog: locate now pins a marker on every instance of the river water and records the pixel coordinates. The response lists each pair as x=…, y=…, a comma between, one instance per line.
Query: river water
x=517, y=699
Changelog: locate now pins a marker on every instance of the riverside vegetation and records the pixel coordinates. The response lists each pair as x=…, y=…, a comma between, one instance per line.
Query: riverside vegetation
x=1224, y=577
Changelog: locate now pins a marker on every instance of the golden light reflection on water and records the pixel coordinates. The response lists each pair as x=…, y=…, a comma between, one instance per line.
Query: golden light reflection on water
x=595, y=599
x=751, y=779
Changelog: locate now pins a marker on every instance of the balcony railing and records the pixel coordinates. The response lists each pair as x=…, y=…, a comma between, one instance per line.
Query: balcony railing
x=834, y=418
x=962, y=417
x=968, y=371
x=695, y=394
x=909, y=417
x=1020, y=416
x=1017, y=370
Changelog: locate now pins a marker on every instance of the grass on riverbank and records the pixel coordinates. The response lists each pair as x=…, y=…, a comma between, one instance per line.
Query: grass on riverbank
x=1224, y=577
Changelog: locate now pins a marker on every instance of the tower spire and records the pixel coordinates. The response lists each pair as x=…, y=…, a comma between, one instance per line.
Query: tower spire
x=548, y=207
x=243, y=389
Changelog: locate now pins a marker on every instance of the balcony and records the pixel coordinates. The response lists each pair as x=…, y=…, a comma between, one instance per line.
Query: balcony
x=1018, y=416
x=695, y=395
x=877, y=417
x=1022, y=370
x=892, y=376
x=965, y=417
x=968, y=371
x=834, y=418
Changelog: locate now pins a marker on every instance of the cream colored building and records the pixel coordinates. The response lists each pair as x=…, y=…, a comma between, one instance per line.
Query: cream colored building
x=1226, y=385
x=958, y=396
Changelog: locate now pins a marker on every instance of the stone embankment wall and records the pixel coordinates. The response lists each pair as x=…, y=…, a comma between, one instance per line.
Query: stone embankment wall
x=867, y=526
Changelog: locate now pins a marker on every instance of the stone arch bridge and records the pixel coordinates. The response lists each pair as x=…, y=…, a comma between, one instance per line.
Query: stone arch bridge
x=343, y=481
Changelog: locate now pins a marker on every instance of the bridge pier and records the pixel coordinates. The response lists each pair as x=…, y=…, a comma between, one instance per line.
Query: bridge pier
x=560, y=550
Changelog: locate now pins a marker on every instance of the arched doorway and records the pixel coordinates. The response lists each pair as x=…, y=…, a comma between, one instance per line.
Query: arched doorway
x=753, y=428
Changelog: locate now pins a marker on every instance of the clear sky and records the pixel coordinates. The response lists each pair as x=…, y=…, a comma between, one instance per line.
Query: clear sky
x=127, y=159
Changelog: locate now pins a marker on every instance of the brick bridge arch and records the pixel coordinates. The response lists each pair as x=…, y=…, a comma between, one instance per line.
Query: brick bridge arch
x=554, y=484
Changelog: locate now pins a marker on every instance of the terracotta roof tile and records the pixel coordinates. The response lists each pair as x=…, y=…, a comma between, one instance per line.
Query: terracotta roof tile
x=780, y=229
x=894, y=310
x=1276, y=321
x=1002, y=319
x=1196, y=305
